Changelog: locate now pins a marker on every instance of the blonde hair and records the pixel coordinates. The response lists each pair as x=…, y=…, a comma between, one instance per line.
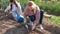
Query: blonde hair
x=31, y=3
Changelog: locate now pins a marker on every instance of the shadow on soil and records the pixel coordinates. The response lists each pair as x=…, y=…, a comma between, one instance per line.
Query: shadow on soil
x=22, y=30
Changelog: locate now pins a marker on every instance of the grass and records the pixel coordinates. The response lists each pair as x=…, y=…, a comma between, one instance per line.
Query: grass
x=50, y=6
x=55, y=20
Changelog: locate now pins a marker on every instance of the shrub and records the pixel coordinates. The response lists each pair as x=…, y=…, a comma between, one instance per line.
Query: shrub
x=47, y=6
x=54, y=7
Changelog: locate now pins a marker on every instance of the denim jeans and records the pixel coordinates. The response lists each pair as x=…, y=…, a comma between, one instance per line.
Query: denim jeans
x=41, y=16
x=32, y=17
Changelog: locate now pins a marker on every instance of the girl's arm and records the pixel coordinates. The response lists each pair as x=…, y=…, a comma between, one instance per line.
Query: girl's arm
x=19, y=8
x=37, y=15
x=25, y=12
x=8, y=7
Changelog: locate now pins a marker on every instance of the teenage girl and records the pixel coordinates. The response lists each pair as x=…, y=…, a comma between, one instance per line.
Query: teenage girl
x=15, y=7
x=32, y=12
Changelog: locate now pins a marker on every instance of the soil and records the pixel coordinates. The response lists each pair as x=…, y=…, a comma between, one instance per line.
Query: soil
x=9, y=26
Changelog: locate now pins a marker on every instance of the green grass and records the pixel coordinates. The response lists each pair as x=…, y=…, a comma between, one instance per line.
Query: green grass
x=50, y=6
x=55, y=20
x=46, y=5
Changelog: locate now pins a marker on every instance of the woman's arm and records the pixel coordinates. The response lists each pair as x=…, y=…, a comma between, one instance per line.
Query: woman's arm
x=25, y=12
x=8, y=7
x=37, y=15
x=19, y=8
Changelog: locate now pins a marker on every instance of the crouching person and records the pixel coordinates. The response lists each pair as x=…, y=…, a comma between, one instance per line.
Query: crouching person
x=32, y=12
x=15, y=7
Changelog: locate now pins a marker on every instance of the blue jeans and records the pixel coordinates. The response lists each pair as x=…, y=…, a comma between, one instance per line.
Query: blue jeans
x=41, y=16
x=14, y=14
x=32, y=17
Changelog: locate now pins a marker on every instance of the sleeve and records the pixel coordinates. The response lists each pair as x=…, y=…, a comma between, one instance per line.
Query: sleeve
x=8, y=7
x=19, y=7
x=37, y=15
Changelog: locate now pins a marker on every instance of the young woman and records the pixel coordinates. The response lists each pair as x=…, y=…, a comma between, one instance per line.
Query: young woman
x=32, y=12
x=15, y=7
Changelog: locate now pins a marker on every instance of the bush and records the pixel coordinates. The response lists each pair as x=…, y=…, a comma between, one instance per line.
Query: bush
x=47, y=6
x=54, y=7
x=4, y=3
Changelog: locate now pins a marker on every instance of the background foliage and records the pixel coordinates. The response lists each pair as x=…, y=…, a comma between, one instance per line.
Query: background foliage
x=47, y=5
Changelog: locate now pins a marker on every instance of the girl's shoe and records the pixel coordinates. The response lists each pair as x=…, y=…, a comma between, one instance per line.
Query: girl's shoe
x=41, y=26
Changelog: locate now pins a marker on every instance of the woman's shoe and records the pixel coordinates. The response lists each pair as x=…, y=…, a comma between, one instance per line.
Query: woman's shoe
x=40, y=26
